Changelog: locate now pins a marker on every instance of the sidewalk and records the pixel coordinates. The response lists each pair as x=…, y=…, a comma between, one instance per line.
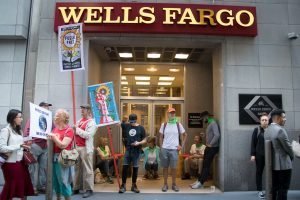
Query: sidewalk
x=293, y=195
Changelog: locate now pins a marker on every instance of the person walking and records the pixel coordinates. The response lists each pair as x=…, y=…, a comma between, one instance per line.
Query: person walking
x=258, y=151
x=85, y=130
x=16, y=175
x=62, y=136
x=134, y=136
x=171, y=133
x=39, y=150
x=282, y=155
x=212, y=148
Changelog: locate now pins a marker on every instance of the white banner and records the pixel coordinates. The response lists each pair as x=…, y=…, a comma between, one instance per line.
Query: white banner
x=40, y=121
x=70, y=47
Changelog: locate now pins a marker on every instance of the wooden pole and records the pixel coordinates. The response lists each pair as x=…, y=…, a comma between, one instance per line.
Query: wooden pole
x=49, y=189
x=73, y=98
x=113, y=154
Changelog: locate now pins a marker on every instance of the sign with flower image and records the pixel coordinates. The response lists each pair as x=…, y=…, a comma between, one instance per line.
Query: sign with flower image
x=70, y=47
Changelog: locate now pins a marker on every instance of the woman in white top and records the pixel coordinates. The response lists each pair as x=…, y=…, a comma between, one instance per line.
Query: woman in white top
x=16, y=175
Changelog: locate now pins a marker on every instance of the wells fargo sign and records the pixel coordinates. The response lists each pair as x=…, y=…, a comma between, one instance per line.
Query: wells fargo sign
x=158, y=18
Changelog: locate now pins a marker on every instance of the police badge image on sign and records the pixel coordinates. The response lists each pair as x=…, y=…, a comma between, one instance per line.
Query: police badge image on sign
x=70, y=47
x=103, y=104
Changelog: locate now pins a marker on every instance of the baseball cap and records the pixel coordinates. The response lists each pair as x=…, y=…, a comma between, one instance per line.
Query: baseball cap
x=132, y=118
x=171, y=110
x=86, y=106
x=44, y=104
x=205, y=113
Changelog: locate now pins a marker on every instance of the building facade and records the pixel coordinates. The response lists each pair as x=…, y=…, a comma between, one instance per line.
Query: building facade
x=218, y=70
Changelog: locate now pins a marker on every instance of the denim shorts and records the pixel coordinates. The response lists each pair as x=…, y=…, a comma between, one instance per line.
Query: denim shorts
x=132, y=156
x=168, y=158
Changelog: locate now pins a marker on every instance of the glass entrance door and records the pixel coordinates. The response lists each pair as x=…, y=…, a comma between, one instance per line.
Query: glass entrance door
x=151, y=114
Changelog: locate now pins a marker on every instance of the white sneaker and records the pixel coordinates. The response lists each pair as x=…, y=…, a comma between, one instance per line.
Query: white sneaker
x=197, y=185
x=261, y=195
x=193, y=183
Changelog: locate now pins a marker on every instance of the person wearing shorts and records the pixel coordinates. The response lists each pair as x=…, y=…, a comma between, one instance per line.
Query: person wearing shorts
x=170, y=134
x=134, y=137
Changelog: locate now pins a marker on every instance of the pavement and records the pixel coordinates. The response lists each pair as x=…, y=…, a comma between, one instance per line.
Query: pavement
x=249, y=195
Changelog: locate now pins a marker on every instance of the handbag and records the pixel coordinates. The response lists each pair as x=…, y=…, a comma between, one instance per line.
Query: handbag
x=28, y=157
x=68, y=158
x=296, y=148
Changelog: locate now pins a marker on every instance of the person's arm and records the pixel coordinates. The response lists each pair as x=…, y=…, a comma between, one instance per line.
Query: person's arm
x=66, y=140
x=216, y=133
x=100, y=154
x=143, y=135
x=4, y=147
x=253, y=144
x=89, y=131
x=284, y=140
x=183, y=136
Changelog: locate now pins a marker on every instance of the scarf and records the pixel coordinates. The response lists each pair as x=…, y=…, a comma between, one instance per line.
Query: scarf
x=103, y=150
x=210, y=120
x=172, y=120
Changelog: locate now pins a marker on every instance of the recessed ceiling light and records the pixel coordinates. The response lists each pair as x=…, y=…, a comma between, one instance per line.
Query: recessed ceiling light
x=174, y=70
x=166, y=78
x=164, y=83
x=125, y=55
x=161, y=89
x=160, y=93
x=143, y=89
x=151, y=69
x=143, y=92
x=129, y=69
x=153, y=55
x=124, y=82
x=142, y=78
x=125, y=88
x=181, y=55
x=123, y=78
x=142, y=83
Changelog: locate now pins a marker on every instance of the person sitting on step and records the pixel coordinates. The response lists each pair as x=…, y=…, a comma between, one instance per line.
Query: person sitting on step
x=151, y=158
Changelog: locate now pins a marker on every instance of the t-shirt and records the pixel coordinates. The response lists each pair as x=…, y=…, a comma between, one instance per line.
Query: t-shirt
x=82, y=125
x=105, y=153
x=132, y=134
x=151, y=157
x=171, y=137
x=66, y=132
x=200, y=149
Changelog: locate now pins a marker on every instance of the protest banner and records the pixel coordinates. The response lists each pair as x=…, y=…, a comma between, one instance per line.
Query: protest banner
x=40, y=121
x=70, y=47
x=103, y=104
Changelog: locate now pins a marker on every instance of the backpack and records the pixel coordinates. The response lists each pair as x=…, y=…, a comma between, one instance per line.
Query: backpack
x=177, y=123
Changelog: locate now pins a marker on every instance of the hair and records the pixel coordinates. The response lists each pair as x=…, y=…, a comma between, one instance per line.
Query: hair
x=264, y=114
x=102, y=140
x=64, y=114
x=277, y=112
x=11, y=116
x=151, y=139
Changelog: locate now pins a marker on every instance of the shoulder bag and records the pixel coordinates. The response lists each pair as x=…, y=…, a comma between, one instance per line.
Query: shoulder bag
x=68, y=158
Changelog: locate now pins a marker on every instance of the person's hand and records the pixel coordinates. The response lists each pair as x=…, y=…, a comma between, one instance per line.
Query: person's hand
x=179, y=148
x=26, y=147
x=252, y=158
x=52, y=136
x=208, y=145
x=136, y=143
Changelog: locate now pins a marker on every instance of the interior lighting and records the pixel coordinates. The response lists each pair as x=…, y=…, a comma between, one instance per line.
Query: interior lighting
x=166, y=78
x=129, y=69
x=142, y=83
x=164, y=83
x=143, y=89
x=174, y=70
x=142, y=78
x=123, y=78
x=125, y=55
x=162, y=89
x=124, y=82
x=181, y=55
x=160, y=93
x=143, y=92
x=153, y=55
x=151, y=69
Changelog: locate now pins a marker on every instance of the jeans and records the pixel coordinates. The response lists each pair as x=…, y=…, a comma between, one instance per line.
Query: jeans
x=209, y=154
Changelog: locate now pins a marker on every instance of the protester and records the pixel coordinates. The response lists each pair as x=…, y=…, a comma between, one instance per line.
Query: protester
x=134, y=137
x=16, y=175
x=39, y=151
x=193, y=164
x=85, y=130
x=212, y=148
x=170, y=137
x=151, y=159
x=105, y=161
x=258, y=151
x=62, y=136
x=282, y=155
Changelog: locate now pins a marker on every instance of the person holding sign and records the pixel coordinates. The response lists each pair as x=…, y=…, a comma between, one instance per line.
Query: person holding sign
x=40, y=153
x=85, y=130
x=16, y=175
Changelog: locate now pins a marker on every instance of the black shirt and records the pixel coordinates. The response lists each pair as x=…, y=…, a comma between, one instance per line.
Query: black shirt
x=130, y=134
x=258, y=142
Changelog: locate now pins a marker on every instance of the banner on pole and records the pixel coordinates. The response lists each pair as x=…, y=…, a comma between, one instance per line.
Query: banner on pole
x=70, y=47
x=40, y=121
x=103, y=104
